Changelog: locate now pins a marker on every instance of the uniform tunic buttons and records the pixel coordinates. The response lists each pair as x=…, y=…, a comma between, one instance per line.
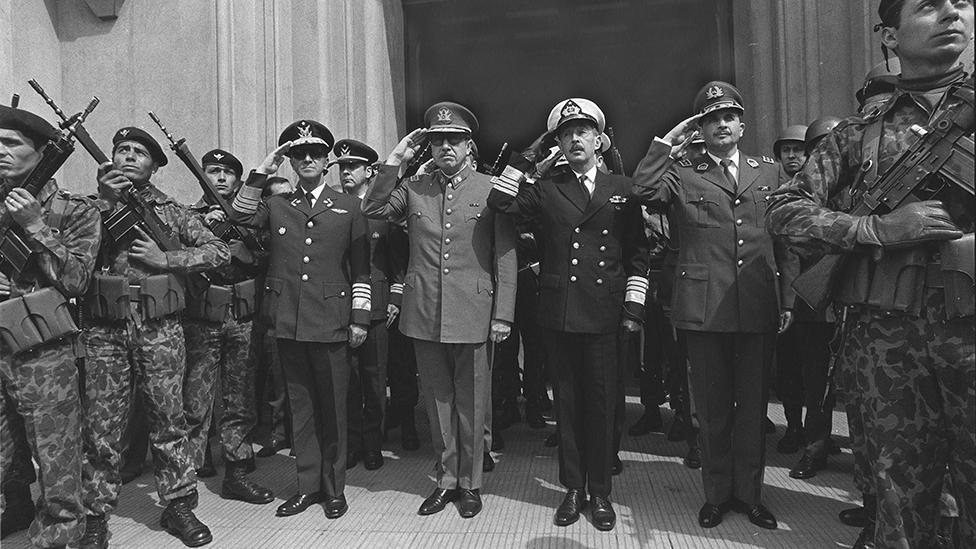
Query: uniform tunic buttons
x=575, y=261
x=603, y=248
x=575, y=245
x=305, y=259
x=739, y=262
x=308, y=241
x=446, y=271
x=281, y=230
x=447, y=225
x=450, y=197
x=576, y=230
x=572, y=278
x=605, y=232
x=602, y=264
x=447, y=241
x=741, y=242
x=737, y=202
x=599, y=281
x=447, y=256
x=449, y=211
x=684, y=273
x=304, y=277
x=738, y=222
x=310, y=224
x=342, y=294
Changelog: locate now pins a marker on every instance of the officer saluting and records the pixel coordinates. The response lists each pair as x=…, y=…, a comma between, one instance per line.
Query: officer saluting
x=727, y=292
x=317, y=298
x=593, y=280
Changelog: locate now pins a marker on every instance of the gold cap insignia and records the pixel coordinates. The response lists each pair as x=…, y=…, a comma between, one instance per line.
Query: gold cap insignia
x=569, y=109
x=304, y=130
x=344, y=150
x=124, y=132
x=444, y=115
x=714, y=92
x=218, y=156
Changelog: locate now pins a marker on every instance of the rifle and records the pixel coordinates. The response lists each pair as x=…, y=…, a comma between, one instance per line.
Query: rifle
x=135, y=210
x=496, y=167
x=944, y=148
x=15, y=255
x=618, y=162
x=225, y=230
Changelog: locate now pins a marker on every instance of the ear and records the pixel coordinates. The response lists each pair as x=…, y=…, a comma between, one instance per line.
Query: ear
x=599, y=142
x=889, y=39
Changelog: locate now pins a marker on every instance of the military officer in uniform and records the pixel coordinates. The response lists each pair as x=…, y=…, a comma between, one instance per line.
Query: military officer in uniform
x=133, y=310
x=910, y=355
x=367, y=380
x=729, y=298
x=459, y=291
x=592, y=286
x=218, y=327
x=317, y=296
x=39, y=377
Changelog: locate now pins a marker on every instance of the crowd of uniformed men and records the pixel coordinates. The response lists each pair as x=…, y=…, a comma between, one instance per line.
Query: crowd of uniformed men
x=424, y=274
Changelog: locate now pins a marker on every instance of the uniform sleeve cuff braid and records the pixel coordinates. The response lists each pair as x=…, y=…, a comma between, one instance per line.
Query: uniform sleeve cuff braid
x=636, y=289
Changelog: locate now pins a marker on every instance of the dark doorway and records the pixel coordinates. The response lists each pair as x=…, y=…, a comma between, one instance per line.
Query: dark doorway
x=511, y=61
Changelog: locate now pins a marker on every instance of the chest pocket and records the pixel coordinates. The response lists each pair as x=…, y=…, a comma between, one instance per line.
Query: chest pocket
x=761, y=199
x=703, y=208
x=475, y=213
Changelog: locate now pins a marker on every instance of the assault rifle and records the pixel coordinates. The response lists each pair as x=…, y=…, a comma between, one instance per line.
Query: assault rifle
x=15, y=255
x=944, y=148
x=135, y=210
x=225, y=230
x=618, y=162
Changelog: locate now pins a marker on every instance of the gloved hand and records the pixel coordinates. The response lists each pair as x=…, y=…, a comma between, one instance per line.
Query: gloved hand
x=908, y=225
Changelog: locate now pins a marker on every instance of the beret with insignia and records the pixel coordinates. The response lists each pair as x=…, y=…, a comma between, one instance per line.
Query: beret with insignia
x=224, y=158
x=718, y=95
x=575, y=108
x=450, y=117
x=131, y=133
x=27, y=123
x=350, y=150
x=307, y=132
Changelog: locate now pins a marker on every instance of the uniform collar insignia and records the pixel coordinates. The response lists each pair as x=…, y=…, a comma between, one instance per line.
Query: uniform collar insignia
x=752, y=162
x=702, y=167
x=569, y=109
x=714, y=92
x=327, y=203
x=444, y=115
x=304, y=130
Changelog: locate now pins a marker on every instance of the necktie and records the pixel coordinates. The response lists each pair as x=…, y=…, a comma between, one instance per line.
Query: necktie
x=311, y=199
x=728, y=173
x=586, y=189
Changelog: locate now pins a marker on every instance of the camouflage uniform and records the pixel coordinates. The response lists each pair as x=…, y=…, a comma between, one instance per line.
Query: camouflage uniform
x=915, y=374
x=153, y=351
x=42, y=382
x=220, y=349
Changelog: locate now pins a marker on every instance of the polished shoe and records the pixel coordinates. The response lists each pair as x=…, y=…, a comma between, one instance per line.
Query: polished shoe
x=603, y=516
x=617, y=466
x=336, y=507
x=497, y=441
x=352, y=458
x=373, y=460
x=469, y=503
x=298, y=503
x=569, y=510
x=273, y=447
x=810, y=462
x=178, y=519
x=19, y=512
x=679, y=428
x=488, y=463
x=96, y=533
x=760, y=516
x=710, y=515
x=769, y=426
x=791, y=441
x=693, y=459
x=856, y=517
x=437, y=501
x=237, y=486
x=650, y=422
x=552, y=440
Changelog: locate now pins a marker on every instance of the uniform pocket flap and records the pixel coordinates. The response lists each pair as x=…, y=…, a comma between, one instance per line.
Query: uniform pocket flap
x=960, y=256
x=693, y=271
x=273, y=285
x=485, y=285
x=335, y=290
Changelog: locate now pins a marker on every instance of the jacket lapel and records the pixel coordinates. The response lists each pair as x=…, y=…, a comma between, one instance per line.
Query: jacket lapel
x=602, y=189
x=298, y=201
x=748, y=173
x=569, y=186
x=713, y=173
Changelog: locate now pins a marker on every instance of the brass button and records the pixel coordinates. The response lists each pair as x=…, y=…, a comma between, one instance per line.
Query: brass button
x=447, y=241
x=572, y=278
x=605, y=232
x=741, y=242
x=446, y=271
x=602, y=264
x=737, y=202
x=281, y=230
x=575, y=245
x=304, y=277
x=448, y=211
x=576, y=230
x=599, y=281
x=738, y=222
x=603, y=248
x=447, y=225
x=305, y=259
x=447, y=256
x=739, y=262
x=310, y=224
x=575, y=261
x=308, y=241
x=450, y=197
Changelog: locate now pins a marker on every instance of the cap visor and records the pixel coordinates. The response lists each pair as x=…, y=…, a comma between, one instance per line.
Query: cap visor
x=723, y=105
x=310, y=141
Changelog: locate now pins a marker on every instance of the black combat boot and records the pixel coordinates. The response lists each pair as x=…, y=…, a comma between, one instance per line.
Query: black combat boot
x=96, y=533
x=19, y=512
x=178, y=519
x=237, y=486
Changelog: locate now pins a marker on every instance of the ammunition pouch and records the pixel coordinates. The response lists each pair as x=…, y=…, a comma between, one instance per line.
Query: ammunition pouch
x=958, y=271
x=245, y=299
x=894, y=284
x=213, y=302
x=15, y=255
x=31, y=320
x=108, y=297
x=161, y=295
x=156, y=295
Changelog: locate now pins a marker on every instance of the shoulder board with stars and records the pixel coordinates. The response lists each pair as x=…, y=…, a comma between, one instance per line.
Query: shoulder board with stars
x=768, y=160
x=684, y=163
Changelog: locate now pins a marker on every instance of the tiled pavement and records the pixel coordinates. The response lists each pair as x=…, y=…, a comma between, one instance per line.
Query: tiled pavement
x=656, y=499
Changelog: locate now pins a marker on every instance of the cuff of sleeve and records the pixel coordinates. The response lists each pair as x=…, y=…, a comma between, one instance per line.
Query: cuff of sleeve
x=509, y=180
x=360, y=316
x=633, y=311
x=636, y=290
x=361, y=298
x=396, y=293
x=40, y=238
x=864, y=231
x=249, y=196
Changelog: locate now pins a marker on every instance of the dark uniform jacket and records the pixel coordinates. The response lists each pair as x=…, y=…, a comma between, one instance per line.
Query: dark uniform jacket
x=589, y=246
x=318, y=276
x=235, y=270
x=727, y=279
x=386, y=268
x=462, y=266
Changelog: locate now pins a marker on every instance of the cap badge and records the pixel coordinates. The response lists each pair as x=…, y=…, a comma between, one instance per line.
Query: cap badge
x=569, y=109
x=304, y=130
x=714, y=92
x=444, y=115
x=124, y=132
x=218, y=156
x=344, y=150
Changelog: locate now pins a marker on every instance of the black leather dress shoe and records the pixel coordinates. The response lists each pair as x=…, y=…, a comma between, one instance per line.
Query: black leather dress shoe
x=809, y=464
x=298, y=503
x=352, y=458
x=488, y=463
x=534, y=418
x=761, y=517
x=617, y=466
x=710, y=515
x=469, y=503
x=497, y=441
x=856, y=517
x=603, y=516
x=678, y=428
x=650, y=422
x=693, y=459
x=336, y=507
x=178, y=519
x=569, y=510
x=552, y=440
x=437, y=501
x=373, y=460
x=791, y=441
x=274, y=446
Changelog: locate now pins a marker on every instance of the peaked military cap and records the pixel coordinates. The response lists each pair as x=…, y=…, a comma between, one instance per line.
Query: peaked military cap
x=450, y=117
x=28, y=123
x=307, y=132
x=718, y=95
x=131, y=133
x=575, y=108
x=350, y=150
x=224, y=158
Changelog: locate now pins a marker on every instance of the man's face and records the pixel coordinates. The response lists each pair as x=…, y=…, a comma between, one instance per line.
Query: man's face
x=222, y=177
x=722, y=129
x=353, y=175
x=932, y=31
x=579, y=141
x=450, y=150
x=792, y=157
x=17, y=154
x=134, y=161
x=309, y=161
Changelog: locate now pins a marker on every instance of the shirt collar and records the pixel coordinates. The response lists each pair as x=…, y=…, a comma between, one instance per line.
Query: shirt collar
x=316, y=192
x=590, y=174
x=718, y=161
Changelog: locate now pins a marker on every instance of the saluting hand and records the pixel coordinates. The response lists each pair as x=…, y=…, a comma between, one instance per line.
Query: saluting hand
x=681, y=135
x=146, y=250
x=111, y=183
x=274, y=160
x=357, y=335
x=24, y=208
x=500, y=330
x=408, y=147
